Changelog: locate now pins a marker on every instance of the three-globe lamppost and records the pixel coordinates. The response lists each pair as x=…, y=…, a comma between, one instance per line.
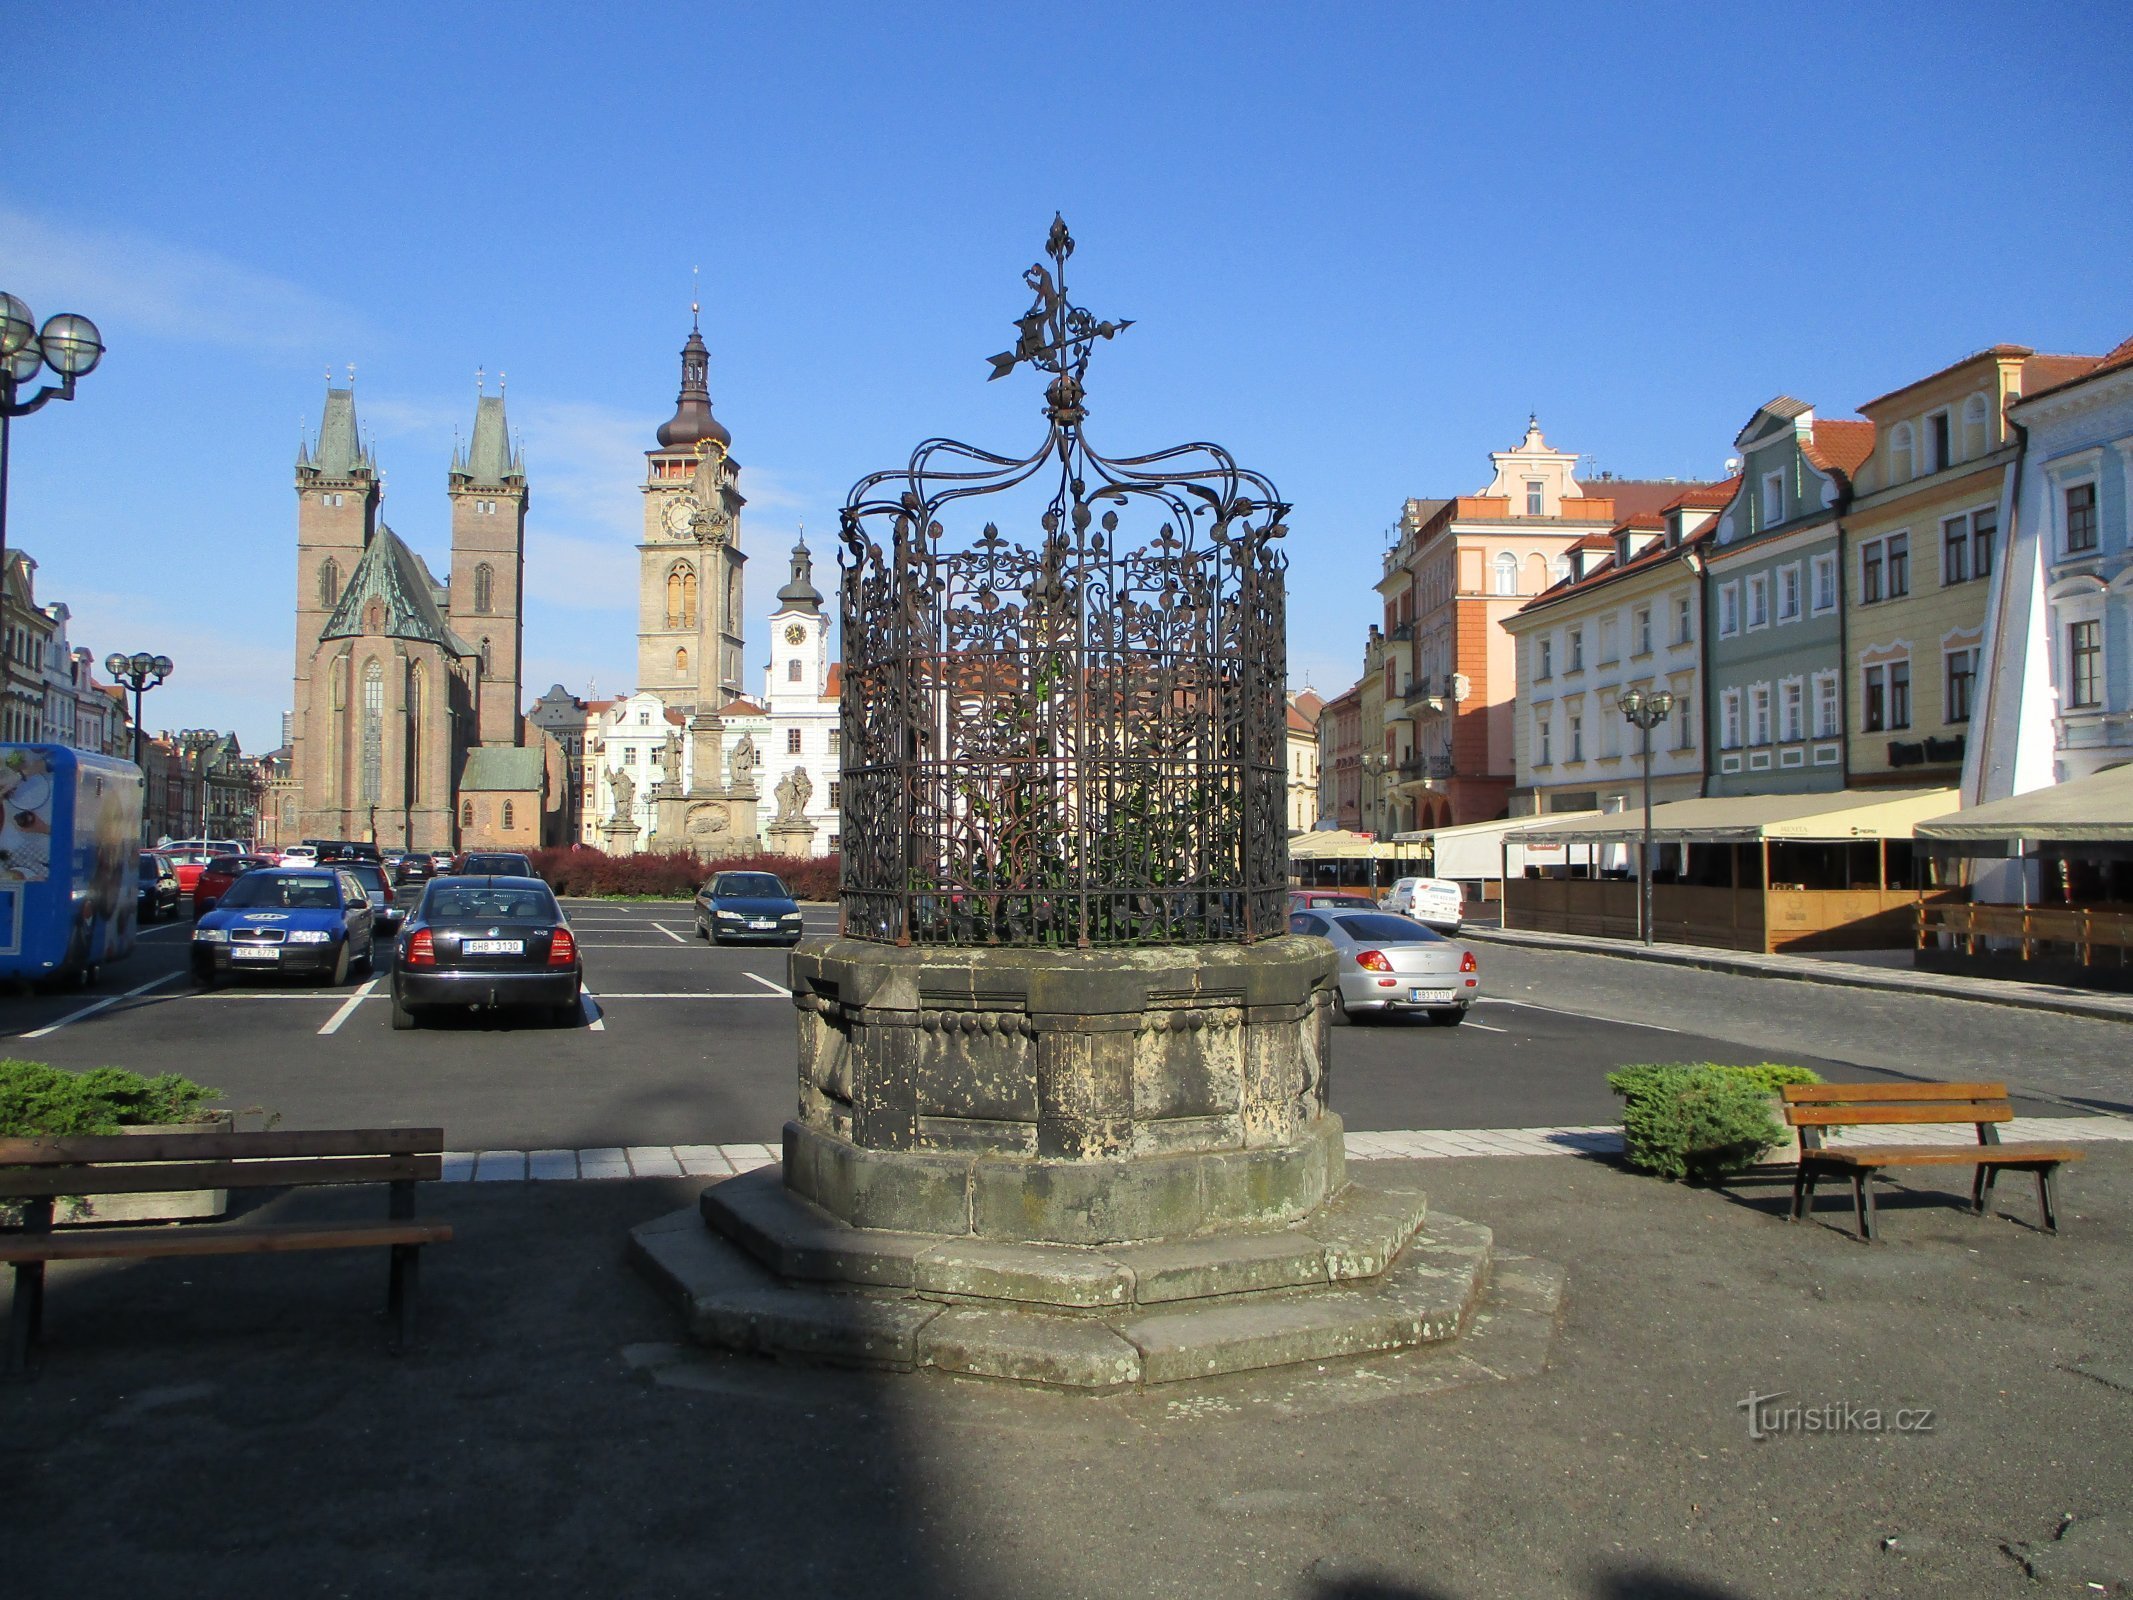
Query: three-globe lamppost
x=1376, y=764
x=139, y=672
x=1646, y=708
x=68, y=344
x=196, y=742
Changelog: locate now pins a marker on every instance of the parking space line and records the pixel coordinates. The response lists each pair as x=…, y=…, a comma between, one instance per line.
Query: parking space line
x=591, y=1007
x=1582, y=1016
x=104, y=1004
x=688, y=994
x=347, y=1007
x=670, y=933
x=1485, y=1028
x=774, y=988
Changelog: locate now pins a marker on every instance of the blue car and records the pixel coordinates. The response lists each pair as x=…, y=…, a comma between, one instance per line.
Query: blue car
x=311, y=920
x=750, y=906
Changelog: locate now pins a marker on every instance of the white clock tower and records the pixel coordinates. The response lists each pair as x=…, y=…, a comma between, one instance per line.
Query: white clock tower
x=689, y=574
x=803, y=764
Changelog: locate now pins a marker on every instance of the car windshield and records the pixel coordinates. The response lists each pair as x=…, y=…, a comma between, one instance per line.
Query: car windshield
x=290, y=892
x=455, y=902
x=501, y=866
x=229, y=865
x=365, y=874
x=749, y=886
x=1379, y=928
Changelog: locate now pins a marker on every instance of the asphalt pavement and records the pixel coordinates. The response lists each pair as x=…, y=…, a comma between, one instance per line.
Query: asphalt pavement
x=686, y=1044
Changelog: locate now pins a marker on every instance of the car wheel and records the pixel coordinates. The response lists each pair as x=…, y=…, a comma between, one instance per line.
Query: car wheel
x=207, y=977
x=341, y=963
x=703, y=930
x=403, y=1019
x=1448, y=1019
x=368, y=964
x=1341, y=1016
x=567, y=1016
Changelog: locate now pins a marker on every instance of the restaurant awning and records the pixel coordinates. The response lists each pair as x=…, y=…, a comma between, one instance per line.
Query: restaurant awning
x=1838, y=817
x=1340, y=844
x=2097, y=809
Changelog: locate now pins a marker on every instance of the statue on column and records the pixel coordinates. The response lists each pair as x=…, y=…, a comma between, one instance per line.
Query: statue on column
x=794, y=790
x=743, y=770
x=625, y=788
x=670, y=762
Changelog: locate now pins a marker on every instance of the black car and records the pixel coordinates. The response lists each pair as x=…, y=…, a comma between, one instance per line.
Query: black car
x=751, y=906
x=486, y=942
x=160, y=893
x=494, y=864
x=413, y=871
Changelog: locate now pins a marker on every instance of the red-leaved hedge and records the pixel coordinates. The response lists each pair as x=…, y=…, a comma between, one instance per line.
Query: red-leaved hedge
x=675, y=874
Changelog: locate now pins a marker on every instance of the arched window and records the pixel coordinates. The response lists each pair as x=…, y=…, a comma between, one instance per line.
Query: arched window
x=485, y=657
x=1975, y=434
x=374, y=617
x=1536, y=572
x=329, y=583
x=1902, y=466
x=484, y=588
x=681, y=661
x=373, y=732
x=466, y=813
x=1558, y=569
x=416, y=695
x=507, y=816
x=1507, y=573
x=681, y=595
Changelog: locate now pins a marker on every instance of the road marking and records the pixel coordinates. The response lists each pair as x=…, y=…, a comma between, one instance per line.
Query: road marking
x=670, y=933
x=774, y=988
x=690, y=994
x=1584, y=1016
x=347, y=1007
x=587, y=944
x=1485, y=1028
x=591, y=1007
x=104, y=1004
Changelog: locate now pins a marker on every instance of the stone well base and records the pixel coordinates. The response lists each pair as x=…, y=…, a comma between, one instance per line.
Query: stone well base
x=758, y=1269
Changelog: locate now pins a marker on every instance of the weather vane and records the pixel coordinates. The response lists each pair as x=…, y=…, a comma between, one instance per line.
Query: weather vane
x=1055, y=335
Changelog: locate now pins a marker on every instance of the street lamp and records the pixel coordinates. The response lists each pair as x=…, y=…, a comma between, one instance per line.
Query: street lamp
x=1647, y=709
x=68, y=344
x=1375, y=765
x=140, y=673
x=196, y=742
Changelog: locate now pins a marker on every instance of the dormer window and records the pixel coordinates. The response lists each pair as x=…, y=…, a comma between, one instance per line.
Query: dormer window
x=1938, y=454
x=1534, y=500
x=1773, y=499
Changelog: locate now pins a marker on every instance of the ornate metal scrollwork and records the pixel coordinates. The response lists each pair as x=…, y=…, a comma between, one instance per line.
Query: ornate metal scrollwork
x=1076, y=743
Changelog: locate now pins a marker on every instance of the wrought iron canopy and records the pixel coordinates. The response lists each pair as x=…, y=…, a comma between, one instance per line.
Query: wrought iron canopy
x=1078, y=741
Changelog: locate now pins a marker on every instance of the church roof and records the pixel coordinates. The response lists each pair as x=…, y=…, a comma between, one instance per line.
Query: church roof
x=394, y=575
x=510, y=768
x=340, y=452
x=488, y=459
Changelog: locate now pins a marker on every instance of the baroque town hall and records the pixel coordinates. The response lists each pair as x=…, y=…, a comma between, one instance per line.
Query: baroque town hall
x=407, y=729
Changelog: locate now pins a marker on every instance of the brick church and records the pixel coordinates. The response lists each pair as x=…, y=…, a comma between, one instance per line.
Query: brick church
x=407, y=729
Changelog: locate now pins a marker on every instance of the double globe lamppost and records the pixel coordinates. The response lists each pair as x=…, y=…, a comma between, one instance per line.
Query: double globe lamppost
x=1646, y=709
x=139, y=672
x=69, y=345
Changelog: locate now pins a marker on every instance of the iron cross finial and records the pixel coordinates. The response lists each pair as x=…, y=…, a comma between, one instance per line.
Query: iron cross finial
x=1054, y=334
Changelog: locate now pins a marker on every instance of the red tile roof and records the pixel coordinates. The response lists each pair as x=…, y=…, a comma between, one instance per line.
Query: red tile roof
x=742, y=708
x=1298, y=722
x=1706, y=496
x=2003, y=350
x=835, y=685
x=1839, y=446
x=1310, y=702
x=1609, y=570
x=1635, y=497
x=2074, y=369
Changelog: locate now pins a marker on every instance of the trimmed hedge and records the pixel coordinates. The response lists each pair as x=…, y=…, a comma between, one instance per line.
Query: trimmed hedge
x=675, y=874
x=37, y=1100
x=1699, y=1120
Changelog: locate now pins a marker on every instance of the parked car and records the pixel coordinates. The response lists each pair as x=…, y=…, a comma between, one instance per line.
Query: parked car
x=1392, y=964
x=1438, y=902
x=493, y=863
x=217, y=876
x=753, y=906
x=413, y=872
x=440, y=861
x=160, y=894
x=1308, y=899
x=300, y=855
x=484, y=942
x=346, y=850
x=287, y=919
x=378, y=889
x=188, y=864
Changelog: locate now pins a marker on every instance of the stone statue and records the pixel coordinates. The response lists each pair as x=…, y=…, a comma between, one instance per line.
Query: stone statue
x=625, y=788
x=743, y=765
x=794, y=790
x=670, y=762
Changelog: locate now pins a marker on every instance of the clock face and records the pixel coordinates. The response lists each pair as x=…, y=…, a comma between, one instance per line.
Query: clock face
x=679, y=510
x=795, y=634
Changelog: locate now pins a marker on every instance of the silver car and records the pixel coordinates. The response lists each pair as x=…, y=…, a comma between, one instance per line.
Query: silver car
x=1392, y=964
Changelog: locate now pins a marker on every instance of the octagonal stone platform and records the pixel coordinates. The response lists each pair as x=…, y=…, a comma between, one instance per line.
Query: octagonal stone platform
x=1366, y=1272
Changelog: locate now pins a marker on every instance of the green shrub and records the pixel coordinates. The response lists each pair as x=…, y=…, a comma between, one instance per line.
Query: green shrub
x=674, y=874
x=37, y=1100
x=1700, y=1120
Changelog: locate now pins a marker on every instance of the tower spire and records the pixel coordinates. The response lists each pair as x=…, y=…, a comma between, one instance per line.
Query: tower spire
x=692, y=422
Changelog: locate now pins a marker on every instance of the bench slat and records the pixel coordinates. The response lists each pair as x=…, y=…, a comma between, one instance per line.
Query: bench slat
x=113, y=1243
x=24, y=1183
x=1852, y=1093
x=1938, y=1155
x=66, y=1149
x=1851, y=1116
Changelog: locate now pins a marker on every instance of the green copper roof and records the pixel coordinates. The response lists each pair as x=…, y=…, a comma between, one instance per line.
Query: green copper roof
x=339, y=452
x=391, y=574
x=487, y=459
x=501, y=767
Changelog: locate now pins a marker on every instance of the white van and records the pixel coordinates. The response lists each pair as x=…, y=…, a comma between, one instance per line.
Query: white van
x=1434, y=902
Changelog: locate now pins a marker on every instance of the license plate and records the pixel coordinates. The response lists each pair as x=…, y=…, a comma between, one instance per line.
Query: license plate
x=494, y=947
x=1429, y=997
x=763, y=926
x=254, y=952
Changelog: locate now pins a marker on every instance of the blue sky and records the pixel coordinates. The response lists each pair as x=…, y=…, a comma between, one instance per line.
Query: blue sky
x=1360, y=243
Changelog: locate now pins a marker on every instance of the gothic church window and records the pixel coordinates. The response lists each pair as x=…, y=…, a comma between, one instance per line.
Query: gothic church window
x=681, y=596
x=416, y=686
x=484, y=588
x=681, y=661
x=466, y=813
x=507, y=815
x=373, y=732
x=329, y=583
x=485, y=656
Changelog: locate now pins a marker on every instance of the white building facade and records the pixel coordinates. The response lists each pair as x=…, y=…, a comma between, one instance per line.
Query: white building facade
x=805, y=756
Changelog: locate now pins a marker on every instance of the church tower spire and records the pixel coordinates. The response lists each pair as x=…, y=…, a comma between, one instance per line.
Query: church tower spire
x=487, y=484
x=337, y=492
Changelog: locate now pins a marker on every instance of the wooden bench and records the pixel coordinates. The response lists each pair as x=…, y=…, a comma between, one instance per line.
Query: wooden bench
x=1811, y=1107
x=35, y=1172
